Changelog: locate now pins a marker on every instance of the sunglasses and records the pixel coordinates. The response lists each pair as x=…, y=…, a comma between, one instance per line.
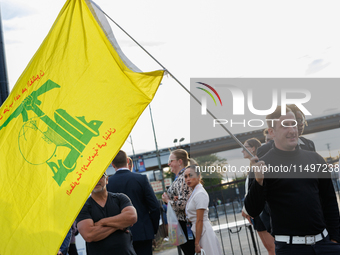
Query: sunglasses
x=170, y=160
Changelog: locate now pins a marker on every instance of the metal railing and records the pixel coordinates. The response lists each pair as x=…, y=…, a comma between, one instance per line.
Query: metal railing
x=236, y=235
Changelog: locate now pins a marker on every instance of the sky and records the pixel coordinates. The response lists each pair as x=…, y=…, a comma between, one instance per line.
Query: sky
x=195, y=39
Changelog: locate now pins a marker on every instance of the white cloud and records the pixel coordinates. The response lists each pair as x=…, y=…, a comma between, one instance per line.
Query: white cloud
x=316, y=66
x=14, y=9
x=195, y=39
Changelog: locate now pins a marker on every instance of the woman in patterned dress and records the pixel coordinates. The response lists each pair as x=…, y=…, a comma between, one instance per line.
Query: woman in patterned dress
x=178, y=194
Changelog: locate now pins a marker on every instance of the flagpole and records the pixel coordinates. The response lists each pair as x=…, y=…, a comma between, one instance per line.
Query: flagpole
x=166, y=70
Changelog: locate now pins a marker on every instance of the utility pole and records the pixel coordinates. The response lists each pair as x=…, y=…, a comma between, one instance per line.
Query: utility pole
x=157, y=151
x=134, y=155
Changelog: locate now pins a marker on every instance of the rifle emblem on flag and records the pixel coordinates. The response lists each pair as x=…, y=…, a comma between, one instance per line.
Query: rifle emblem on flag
x=65, y=131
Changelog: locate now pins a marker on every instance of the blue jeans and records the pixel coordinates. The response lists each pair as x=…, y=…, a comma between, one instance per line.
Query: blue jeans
x=323, y=247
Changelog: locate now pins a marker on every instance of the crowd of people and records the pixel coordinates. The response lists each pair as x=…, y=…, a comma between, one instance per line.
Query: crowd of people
x=122, y=213
x=291, y=214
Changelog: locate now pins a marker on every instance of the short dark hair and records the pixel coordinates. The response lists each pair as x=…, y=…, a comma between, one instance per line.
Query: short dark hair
x=120, y=160
x=275, y=115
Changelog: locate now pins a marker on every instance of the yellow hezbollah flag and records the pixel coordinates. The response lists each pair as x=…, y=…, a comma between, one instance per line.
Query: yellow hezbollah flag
x=66, y=118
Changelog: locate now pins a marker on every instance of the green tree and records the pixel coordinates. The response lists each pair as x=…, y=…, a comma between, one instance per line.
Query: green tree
x=211, y=160
x=168, y=174
x=209, y=179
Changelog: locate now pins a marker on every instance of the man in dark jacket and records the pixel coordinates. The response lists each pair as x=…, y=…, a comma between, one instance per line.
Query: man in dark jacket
x=137, y=187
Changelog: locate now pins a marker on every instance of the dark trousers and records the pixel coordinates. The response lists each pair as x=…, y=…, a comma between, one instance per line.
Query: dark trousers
x=72, y=250
x=189, y=247
x=323, y=247
x=143, y=247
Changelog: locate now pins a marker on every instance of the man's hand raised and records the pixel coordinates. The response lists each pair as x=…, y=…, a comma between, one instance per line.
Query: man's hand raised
x=259, y=168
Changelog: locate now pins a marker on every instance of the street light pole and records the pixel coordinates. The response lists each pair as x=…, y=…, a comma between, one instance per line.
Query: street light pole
x=134, y=155
x=157, y=152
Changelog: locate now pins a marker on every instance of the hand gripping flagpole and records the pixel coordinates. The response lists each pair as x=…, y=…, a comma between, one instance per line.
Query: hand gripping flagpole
x=167, y=71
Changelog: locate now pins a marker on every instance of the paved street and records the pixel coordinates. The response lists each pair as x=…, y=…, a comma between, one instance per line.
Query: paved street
x=236, y=240
x=236, y=243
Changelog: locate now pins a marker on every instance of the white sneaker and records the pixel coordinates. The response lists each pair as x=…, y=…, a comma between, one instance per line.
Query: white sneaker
x=166, y=239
